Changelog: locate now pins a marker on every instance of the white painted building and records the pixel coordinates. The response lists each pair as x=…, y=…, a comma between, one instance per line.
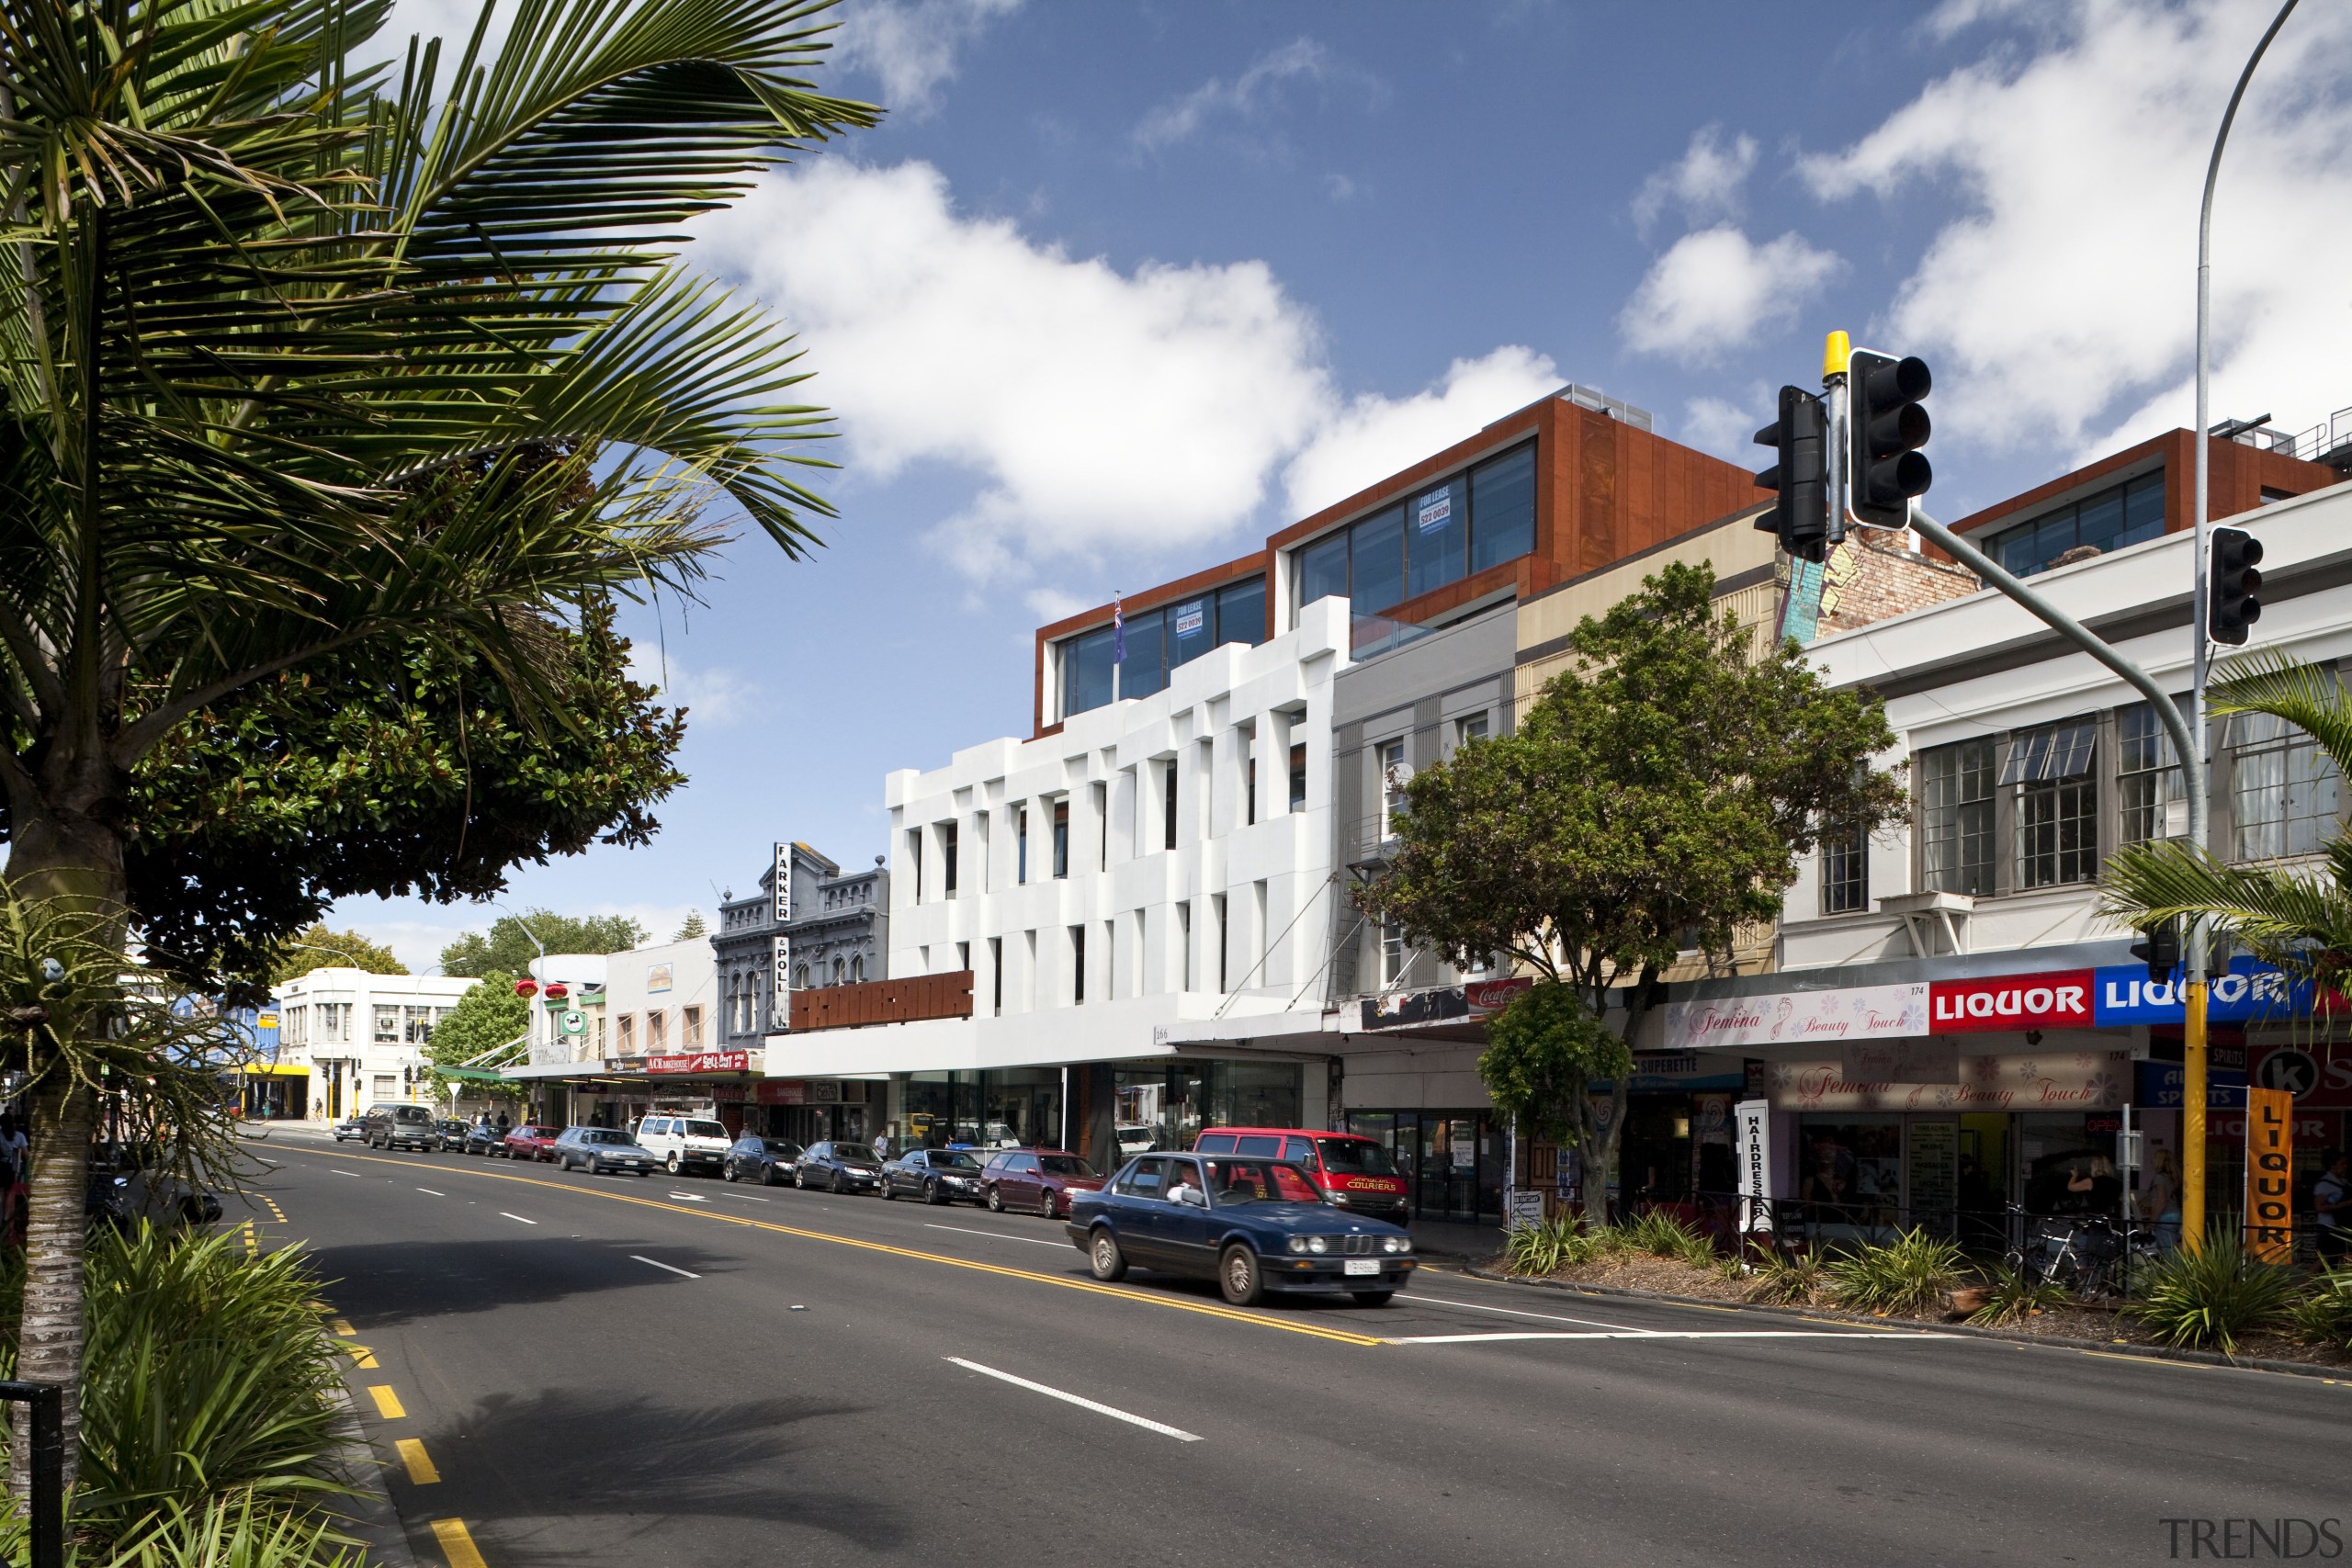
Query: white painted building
x=360, y=1036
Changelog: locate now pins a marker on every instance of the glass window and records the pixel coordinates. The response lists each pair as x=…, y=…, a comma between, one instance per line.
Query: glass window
x=1956, y=817
x=1192, y=628
x=2100, y=522
x=1298, y=777
x=1502, y=508
x=1061, y=839
x=1258, y=1143
x=2108, y=520
x=2283, y=787
x=1146, y=669
x=1356, y=1157
x=1437, y=537
x=1241, y=612
x=1377, y=562
x=2143, y=510
x=1323, y=569
x=2150, y=801
x=1393, y=955
x=2057, y=802
x=1845, y=871
x=1086, y=671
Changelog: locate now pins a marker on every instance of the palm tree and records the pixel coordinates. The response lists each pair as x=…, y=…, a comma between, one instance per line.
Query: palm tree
x=301, y=360
x=2298, y=917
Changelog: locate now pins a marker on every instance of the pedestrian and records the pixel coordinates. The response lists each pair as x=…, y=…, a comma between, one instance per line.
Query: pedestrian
x=504, y=1124
x=2331, y=1199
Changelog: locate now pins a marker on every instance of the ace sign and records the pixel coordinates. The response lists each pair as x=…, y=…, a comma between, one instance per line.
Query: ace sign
x=2270, y=1175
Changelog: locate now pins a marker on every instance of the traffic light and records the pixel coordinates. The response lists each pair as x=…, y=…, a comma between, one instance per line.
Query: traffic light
x=2230, y=604
x=1800, y=437
x=1885, y=466
x=2159, y=949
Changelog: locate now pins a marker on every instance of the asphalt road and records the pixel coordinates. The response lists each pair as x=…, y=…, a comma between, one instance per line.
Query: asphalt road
x=623, y=1371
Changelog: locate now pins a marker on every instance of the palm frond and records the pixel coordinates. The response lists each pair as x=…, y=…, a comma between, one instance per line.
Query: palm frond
x=2309, y=696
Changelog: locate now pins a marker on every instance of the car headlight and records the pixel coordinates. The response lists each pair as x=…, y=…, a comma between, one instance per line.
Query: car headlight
x=1298, y=1244
x=1397, y=1244
x=1338, y=1196
x=1318, y=1244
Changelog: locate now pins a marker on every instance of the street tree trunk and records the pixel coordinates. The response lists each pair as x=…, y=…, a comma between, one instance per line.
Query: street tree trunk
x=50, y=1342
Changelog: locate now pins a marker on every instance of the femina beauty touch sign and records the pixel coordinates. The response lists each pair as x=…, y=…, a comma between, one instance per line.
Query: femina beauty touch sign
x=1796, y=1018
x=2038, y=1080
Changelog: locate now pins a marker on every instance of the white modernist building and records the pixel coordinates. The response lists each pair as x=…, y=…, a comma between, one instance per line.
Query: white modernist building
x=359, y=1038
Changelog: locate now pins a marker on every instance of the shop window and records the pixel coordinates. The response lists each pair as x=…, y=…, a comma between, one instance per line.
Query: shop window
x=1845, y=871
x=2057, y=802
x=1956, y=817
x=2150, y=800
x=2283, y=789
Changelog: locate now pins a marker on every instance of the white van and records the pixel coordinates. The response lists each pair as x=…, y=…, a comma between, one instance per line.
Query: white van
x=684, y=1141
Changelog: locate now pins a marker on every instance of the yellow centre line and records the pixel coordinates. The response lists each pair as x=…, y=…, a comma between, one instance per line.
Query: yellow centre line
x=421, y=1468
x=361, y=1356
x=458, y=1544
x=388, y=1403
x=1090, y=1286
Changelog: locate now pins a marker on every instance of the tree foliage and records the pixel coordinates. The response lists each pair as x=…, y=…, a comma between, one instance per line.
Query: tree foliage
x=488, y=1016
x=507, y=947
x=691, y=927
x=317, y=947
x=1655, y=797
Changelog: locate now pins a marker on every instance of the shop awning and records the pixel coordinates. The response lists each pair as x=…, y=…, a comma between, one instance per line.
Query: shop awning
x=275, y=1070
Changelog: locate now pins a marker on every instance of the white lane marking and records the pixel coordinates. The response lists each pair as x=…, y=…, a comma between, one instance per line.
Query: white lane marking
x=747, y=1197
x=965, y=1230
x=1178, y=1433
x=1863, y=1337
x=1514, y=1312
x=340, y=1171
x=659, y=1264
x=506, y=1215
x=430, y=1193
x=688, y=1198
x=266, y=1160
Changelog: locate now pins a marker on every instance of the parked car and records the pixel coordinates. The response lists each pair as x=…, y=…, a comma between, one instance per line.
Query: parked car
x=128, y=1185
x=1042, y=1180
x=844, y=1166
x=530, y=1141
x=481, y=1140
x=685, y=1143
x=402, y=1127
x=1136, y=1137
x=1354, y=1172
x=599, y=1149
x=936, y=1175
x=765, y=1160
x=352, y=1126
x=1251, y=1225
x=453, y=1133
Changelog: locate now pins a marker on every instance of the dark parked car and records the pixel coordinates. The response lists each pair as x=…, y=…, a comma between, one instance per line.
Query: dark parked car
x=1042, y=1180
x=391, y=1126
x=481, y=1140
x=352, y=1126
x=1252, y=1225
x=530, y=1141
x=453, y=1133
x=599, y=1149
x=765, y=1160
x=936, y=1175
x=837, y=1167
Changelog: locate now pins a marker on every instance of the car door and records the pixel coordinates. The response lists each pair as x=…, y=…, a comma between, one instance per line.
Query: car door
x=1138, y=1212
x=1017, y=1183
x=1186, y=1225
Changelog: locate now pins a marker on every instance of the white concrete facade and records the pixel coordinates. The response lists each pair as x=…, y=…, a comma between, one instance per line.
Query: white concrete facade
x=361, y=1035
x=1137, y=947
x=661, y=998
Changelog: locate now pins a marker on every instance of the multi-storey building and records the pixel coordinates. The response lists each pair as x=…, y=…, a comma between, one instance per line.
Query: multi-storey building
x=347, y=1039
x=831, y=929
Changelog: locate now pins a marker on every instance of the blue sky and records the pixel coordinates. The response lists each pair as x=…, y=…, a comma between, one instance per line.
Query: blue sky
x=1119, y=287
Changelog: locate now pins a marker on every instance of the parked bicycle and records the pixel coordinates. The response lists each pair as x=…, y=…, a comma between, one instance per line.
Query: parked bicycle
x=2090, y=1255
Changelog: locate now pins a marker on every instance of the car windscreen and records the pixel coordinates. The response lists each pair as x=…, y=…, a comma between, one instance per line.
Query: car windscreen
x=602, y=1135
x=850, y=1154
x=1259, y=1181
x=1355, y=1157
x=781, y=1149
x=943, y=1161
x=411, y=1114
x=1065, y=1165
x=706, y=1130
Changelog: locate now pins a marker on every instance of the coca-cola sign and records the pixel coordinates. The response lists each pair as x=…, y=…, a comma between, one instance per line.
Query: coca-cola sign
x=2059, y=1000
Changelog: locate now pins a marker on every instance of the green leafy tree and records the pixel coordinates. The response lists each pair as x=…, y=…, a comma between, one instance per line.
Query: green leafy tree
x=302, y=365
x=1655, y=797
x=691, y=927
x=316, y=947
x=488, y=1016
x=508, y=947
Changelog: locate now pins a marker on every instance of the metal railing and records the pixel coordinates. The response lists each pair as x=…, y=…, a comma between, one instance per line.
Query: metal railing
x=48, y=1501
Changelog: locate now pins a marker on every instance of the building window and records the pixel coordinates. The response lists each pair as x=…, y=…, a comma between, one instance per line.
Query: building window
x=1390, y=756
x=1021, y=845
x=657, y=1032
x=840, y=971
x=1956, y=818
x=625, y=1034
x=1393, y=956
x=1168, y=804
x=1077, y=965
x=947, y=835
x=1184, y=942
x=1217, y=914
x=2150, y=800
x=915, y=852
x=858, y=970
x=2283, y=789
x=1061, y=839
x=1845, y=871
x=1298, y=777
x=2123, y=514
x=801, y=976
x=1156, y=641
x=1471, y=729
x=996, y=976
x=690, y=1029
x=2057, y=802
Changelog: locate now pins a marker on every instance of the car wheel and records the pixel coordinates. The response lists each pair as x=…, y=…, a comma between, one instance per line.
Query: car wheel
x=727, y=1171
x=1103, y=1255
x=1237, y=1276
x=889, y=1193
x=671, y=1165
x=1046, y=1201
x=837, y=1184
x=799, y=1181
x=930, y=1194
x=996, y=1199
x=1372, y=1298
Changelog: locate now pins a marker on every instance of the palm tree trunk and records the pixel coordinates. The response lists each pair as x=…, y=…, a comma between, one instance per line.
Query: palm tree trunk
x=50, y=1340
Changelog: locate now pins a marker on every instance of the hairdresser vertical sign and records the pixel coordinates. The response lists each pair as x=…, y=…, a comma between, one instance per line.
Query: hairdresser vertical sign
x=2270, y=1175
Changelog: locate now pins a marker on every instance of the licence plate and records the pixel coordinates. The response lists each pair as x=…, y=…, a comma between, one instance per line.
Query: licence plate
x=1362, y=1266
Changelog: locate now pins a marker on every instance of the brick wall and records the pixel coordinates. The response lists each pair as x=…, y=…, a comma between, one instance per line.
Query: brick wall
x=1871, y=577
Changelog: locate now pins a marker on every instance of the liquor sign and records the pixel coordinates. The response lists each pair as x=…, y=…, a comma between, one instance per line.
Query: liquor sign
x=2249, y=992
x=2061, y=1000
x=1868, y=1013
x=2270, y=1175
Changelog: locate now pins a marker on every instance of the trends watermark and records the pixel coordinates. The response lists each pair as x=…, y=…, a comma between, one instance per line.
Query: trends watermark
x=2243, y=1541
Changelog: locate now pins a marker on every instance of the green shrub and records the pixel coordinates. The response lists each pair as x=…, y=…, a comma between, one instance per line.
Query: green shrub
x=238, y=1531
x=1549, y=1246
x=2012, y=1295
x=1661, y=1234
x=2322, y=1315
x=2212, y=1296
x=1907, y=1275
x=1788, y=1279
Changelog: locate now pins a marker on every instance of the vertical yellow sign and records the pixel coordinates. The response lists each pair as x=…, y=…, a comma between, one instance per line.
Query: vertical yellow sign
x=2270, y=1175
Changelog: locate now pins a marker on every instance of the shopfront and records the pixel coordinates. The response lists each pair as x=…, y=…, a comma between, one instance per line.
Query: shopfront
x=803, y=1111
x=1454, y=1160
x=1156, y=1105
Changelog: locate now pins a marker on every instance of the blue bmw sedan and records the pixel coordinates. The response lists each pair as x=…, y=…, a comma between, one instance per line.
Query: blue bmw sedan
x=1252, y=1225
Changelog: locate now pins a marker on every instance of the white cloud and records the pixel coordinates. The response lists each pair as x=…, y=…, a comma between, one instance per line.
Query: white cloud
x=2060, y=305
x=1248, y=95
x=1101, y=410
x=1703, y=185
x=451, y=21
x=1728, y=429
x=1051, y=605
x=1373, y=436
x=911, y=45
x=1717, y=290
x=714, y=696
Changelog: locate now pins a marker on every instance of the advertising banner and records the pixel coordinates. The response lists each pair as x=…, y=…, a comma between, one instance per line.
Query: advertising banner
x=1757, y=1156
x=1795, y=1017
x=700, y=1061
x=2249, y=993
x=2270, y=1175
x=2319, y=1076
x=2160, y=1087
x=2041, y=1081
x=2059, y=1001
x=1477, y=998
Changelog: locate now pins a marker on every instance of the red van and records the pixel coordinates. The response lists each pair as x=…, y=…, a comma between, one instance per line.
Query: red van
x=1354, y=1172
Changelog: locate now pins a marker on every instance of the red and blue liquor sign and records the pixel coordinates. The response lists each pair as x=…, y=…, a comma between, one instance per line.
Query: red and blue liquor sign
x=2248, y=992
